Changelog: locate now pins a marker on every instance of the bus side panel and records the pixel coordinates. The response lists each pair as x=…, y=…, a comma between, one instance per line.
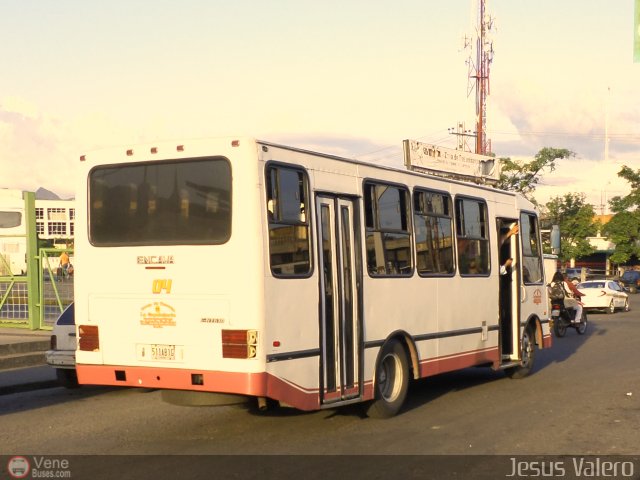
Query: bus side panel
x=292, y=339
x=292, y=308
x=447, y=330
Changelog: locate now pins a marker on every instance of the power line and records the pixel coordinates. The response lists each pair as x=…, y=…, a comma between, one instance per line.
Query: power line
x=620, y=136
x=435, y=141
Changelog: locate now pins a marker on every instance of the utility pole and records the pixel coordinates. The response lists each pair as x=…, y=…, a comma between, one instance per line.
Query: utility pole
x=603, y=204
x=479, y=71
x=606, y=127
x=461, y=135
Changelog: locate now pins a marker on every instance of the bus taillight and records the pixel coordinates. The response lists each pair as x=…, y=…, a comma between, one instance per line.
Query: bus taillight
x=238, y=351
x=239, y=343
x=89, y=340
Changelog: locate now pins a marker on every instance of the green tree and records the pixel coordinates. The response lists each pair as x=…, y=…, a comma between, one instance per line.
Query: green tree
x=523, y=177
x=624, y=228
x=576, y=220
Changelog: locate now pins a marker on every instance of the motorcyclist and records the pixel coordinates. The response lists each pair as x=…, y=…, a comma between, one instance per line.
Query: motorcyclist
x=572, y=294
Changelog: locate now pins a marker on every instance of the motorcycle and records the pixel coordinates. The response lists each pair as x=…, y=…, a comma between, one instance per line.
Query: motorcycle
x=564, y=318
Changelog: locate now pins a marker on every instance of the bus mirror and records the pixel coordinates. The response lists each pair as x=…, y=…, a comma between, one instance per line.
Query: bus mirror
x=555, y=239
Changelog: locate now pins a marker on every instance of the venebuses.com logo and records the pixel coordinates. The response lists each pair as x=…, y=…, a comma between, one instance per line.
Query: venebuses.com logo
x=18, y=467
x=38, y=467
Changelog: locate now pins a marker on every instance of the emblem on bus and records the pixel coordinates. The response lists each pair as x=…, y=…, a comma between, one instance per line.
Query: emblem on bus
x=537, y=296
x=158, y=315
x=155, y=259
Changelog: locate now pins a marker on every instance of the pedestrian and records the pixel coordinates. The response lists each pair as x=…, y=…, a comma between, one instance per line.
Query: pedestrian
x=64, y=267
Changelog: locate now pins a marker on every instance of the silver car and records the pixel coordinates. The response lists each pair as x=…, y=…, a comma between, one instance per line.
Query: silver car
x=62, y=354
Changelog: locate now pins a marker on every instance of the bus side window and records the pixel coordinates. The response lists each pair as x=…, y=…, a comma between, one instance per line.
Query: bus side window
x=289, y=239
x=434, y=233
x=472, y=236
x=388, y=224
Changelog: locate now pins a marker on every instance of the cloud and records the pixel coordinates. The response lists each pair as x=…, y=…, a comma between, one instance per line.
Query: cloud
x=359, y=148
x=597, y=179
x=530, y=114
x=569, y=115
x=38, y=149
x=32, y=150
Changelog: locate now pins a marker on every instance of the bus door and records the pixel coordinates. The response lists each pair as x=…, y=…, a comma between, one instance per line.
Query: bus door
x=340, y=270
x=509, y=305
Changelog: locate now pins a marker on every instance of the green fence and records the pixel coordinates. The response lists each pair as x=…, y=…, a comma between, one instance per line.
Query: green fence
x=34, y=298
x=14, y=301
x=55, y=286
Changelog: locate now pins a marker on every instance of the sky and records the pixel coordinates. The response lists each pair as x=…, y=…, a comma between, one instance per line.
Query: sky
x=349, y=77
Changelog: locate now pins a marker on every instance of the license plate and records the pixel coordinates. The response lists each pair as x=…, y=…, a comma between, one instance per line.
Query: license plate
x=159, y=352
x=555, y=313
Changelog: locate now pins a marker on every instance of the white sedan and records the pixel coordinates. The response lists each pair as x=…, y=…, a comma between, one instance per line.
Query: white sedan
x=62, y=354
x=603, y=295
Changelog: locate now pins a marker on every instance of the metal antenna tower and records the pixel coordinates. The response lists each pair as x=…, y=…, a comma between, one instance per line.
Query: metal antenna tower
x=479, y=71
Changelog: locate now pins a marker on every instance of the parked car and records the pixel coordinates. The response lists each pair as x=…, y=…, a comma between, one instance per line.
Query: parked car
x=62, y=354
x=575, y=274
x=603, y=295
x=631, y=280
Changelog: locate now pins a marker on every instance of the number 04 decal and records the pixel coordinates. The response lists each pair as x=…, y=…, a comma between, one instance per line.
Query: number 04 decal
x=161, y=285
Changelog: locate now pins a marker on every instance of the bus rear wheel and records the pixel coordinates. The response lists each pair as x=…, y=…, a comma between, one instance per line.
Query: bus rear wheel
x=67, y=377
x=391, y=382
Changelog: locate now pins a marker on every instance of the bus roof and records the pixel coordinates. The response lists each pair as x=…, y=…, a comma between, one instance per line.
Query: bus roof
x=178, y=149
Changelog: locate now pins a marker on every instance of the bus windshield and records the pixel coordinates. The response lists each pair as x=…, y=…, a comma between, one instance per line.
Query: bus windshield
x=183, y=202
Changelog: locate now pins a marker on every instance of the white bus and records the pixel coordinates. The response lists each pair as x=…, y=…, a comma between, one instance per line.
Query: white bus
x=248, y=269
x=13, y=233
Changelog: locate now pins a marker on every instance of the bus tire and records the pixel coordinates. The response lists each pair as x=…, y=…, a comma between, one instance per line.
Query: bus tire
x=391, y=381
x=67, y=377
x=528, y=355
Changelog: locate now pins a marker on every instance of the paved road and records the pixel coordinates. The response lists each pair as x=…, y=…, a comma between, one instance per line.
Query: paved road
x=582, y=399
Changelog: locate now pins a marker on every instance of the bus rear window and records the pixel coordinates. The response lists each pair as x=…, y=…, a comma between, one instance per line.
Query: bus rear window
x=177, y=202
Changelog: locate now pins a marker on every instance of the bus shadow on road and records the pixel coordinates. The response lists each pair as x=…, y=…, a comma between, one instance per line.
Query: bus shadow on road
x=428, y=389
x=46, y=397
x=565, y=347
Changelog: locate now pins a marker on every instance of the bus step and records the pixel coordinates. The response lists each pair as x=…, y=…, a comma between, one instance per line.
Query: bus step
x=513, y=363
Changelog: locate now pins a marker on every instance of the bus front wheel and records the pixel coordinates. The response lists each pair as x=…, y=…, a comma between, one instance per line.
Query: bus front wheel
x=391, y=382
x=528, y=352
